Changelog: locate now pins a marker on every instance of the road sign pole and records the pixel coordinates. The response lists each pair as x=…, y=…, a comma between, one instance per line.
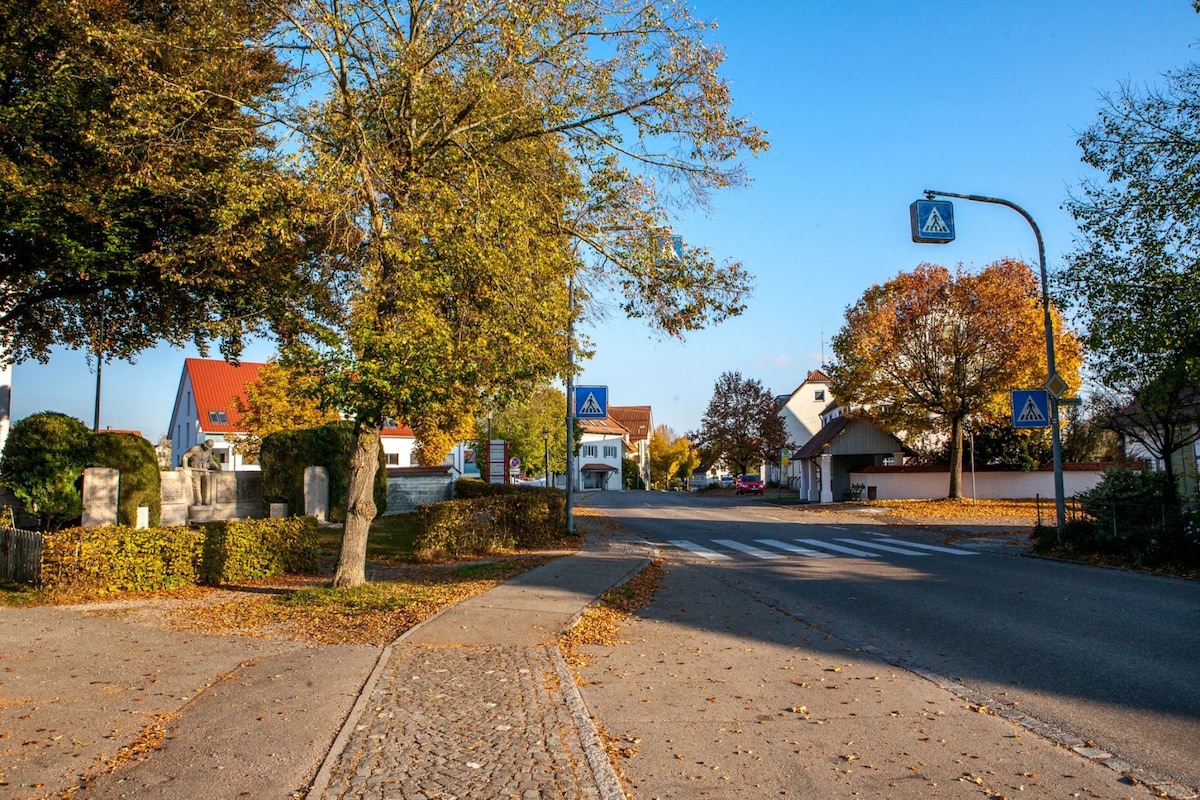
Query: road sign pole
x=570, y=478
x=1048, y=325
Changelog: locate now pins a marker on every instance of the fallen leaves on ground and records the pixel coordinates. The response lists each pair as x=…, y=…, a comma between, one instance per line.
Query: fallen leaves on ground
x=602, y=622
x=946, y=510
x=374, y=613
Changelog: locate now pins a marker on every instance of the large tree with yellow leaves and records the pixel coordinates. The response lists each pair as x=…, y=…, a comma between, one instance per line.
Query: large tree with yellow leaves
x=484, y=154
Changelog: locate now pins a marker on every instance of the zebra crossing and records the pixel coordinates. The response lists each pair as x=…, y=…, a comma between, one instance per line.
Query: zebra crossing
x=775, y=549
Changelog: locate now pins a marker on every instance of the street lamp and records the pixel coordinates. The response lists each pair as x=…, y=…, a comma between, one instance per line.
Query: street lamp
x=546, y=455
x=1048, y=325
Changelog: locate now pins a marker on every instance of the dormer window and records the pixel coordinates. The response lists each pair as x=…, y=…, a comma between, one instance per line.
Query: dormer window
x=819, y=396
x=218, y=418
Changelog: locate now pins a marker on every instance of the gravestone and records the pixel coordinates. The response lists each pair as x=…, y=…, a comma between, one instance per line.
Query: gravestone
x=278, y=510
x=143, y=517
x=100, y=488
x=176, y=494
x=316, y=493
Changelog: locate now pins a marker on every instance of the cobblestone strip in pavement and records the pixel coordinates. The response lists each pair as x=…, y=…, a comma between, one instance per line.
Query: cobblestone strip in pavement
x=444, y=723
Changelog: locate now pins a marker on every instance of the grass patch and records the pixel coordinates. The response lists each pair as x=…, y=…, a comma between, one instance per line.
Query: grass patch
x=390, y=541
x=18, y=595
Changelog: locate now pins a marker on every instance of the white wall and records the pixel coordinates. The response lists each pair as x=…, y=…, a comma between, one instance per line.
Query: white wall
x=988, y=485
x=401, y=447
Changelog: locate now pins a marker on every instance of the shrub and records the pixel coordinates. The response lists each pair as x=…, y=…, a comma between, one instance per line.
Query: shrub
x=141, y=484
x=118, y=558
x=285, y=455
x=523, y=517
x=238, y=550
x=42, y=463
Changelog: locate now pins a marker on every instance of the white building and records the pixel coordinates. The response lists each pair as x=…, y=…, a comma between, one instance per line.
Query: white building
x=205, y=411
x=603, y=446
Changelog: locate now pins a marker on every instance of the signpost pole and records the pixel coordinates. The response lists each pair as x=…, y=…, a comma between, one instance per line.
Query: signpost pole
x=1048, y=325
x=570, y=477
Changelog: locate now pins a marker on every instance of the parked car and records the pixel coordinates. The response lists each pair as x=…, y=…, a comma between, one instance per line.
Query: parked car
x=727, y=482
x=749, y=484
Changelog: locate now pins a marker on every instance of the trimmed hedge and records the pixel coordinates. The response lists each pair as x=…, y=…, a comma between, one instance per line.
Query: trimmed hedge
x=141, y=482
x=118, y=558
x=246, y=549
x=524, y=518
x=285, y=455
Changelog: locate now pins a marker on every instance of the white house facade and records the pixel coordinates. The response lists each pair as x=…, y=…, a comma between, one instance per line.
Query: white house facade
x=603, y=446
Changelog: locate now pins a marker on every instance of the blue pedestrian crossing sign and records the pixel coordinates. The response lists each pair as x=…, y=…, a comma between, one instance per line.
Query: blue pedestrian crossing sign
x=591, y=402
x=932, y=221
x=1030, y=408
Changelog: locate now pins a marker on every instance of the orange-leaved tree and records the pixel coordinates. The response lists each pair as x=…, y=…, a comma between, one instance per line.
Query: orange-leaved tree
x=280, y=399
x=931, y=348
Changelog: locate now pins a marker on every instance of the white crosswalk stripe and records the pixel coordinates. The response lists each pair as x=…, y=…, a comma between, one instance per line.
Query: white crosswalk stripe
x=692, y=547
x=884, y=547
x=951, y=550
x=837, y=548
x=811, y=548
x=749, y=550
x=791, y=548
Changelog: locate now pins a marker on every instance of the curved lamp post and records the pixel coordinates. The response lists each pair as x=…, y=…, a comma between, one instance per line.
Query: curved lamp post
x=1048, y=325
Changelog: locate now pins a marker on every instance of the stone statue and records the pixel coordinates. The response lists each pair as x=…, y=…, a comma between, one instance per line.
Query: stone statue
x=198, y=463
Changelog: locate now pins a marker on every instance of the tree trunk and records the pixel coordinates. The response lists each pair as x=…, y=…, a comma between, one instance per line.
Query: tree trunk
x=360, y=506
x=956, y=453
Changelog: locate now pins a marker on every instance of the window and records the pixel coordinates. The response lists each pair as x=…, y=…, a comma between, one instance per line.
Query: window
x=221, y=456
x=218, y=418
x=610, y=451
x=393, y=459
x=589, y=450
x=819, y=396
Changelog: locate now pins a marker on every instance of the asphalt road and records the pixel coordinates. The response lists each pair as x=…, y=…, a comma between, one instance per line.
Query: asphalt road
x=1107, y=656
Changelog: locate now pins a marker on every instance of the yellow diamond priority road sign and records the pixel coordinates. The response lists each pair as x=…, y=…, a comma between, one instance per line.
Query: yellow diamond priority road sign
x=1056, y=385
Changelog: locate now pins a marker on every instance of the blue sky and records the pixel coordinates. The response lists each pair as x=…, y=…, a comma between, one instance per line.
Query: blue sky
x=866, y=103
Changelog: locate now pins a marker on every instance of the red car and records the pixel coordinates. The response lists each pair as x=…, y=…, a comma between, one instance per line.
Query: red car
x=748, y=484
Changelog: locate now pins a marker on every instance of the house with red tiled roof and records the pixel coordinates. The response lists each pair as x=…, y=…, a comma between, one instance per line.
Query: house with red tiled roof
x=639, y=421
x=801, y=412
x=205, y=410
x=603, y=445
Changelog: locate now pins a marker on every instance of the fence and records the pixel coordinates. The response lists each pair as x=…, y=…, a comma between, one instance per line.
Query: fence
x=20, y=556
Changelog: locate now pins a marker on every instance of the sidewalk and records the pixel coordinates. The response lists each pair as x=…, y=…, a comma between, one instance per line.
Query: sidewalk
x=475, y=702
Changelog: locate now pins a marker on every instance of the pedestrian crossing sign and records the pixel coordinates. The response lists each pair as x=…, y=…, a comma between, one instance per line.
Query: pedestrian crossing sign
x=932, y=221
x=591, y=402
x=1031, y=408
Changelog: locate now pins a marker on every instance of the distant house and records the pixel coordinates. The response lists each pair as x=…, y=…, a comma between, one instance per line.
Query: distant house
x=604, y=444
x=639, y=422
x=843, y=444
x=205, y=410
x=802, y=412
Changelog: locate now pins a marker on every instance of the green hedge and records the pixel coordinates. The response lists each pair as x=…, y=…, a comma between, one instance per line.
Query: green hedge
x=118, y=558
x=525, y=518
x=141, y=482
x=285, y=455
x=245, y=549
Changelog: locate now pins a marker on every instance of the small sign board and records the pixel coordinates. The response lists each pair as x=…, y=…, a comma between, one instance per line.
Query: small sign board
x=1056, y=385
x=932, y=221
x=591, y=402
x=1030, y=408
x=668, y=248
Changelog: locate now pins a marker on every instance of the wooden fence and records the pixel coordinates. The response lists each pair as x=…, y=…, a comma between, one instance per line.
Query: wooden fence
x=20, y=556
